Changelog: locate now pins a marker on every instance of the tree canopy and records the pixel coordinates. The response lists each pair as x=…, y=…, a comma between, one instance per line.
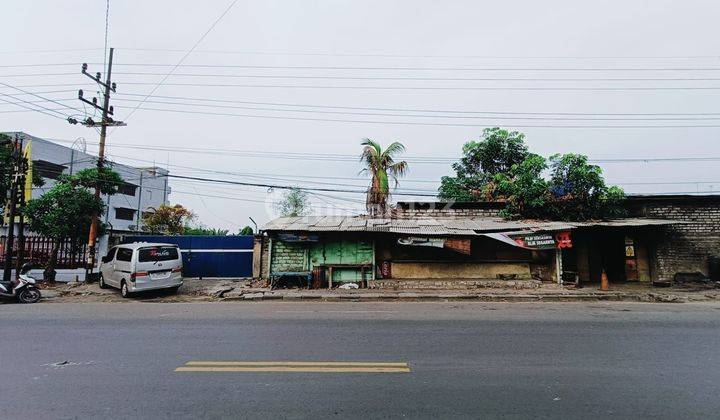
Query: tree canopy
x=495, y=153
x=294, y=203
x=64, y=212
x=563, y=187
x=106, y=179
x=167, y=220
x=201, y=230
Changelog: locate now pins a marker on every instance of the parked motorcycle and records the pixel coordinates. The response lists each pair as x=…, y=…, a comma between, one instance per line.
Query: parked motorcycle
x=23, y=290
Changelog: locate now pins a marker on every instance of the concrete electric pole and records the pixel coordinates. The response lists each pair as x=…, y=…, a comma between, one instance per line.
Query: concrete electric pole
x=104, y=123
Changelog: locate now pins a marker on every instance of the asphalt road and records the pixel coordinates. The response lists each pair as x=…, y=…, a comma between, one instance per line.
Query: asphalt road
x=466, y=360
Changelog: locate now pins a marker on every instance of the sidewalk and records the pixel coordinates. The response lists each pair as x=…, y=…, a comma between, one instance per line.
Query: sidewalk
x=205, y=290
x=551, y=293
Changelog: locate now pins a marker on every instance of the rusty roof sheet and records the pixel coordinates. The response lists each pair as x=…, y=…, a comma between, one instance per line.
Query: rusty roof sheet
x=441, y=226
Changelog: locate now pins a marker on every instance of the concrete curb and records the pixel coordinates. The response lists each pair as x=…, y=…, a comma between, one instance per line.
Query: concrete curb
x=443, y=297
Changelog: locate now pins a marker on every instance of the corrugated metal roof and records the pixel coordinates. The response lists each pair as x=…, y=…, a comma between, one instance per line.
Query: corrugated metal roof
x=441, y=226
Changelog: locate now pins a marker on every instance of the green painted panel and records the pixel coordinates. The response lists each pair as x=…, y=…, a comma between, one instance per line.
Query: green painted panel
x=342, y=252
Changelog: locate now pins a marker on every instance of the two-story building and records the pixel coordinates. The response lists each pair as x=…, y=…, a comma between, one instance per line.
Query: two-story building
x=144, y=187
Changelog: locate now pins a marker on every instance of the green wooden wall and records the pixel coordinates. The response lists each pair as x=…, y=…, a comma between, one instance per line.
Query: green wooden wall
x=342, y=252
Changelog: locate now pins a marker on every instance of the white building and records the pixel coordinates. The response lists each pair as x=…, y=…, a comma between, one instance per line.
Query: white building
x=145, y=187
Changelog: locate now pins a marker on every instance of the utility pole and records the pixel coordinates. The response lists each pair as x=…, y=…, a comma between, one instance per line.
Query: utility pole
x=106, y=122
x=24, y=167
x=12, y=210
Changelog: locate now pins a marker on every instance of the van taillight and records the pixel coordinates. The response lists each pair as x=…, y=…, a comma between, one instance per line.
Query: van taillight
x=133, y=276
x=177, y=270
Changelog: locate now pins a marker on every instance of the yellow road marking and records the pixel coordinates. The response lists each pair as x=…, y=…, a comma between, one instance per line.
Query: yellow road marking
x=349, y=364
x=318, y=369
x=288, y=366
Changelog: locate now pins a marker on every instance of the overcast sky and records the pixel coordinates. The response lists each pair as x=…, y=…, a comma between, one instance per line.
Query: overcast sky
x=370, y=45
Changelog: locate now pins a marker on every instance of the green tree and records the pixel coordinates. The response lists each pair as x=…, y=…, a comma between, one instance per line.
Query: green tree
x=167, y=220
x=475, y=173
x=247, y=230
x=201, y=230
x=294, y=203
x=575, y=190
x=381, y=166
x=106, y=179
x=524, y=190
x=61, y=213
x=500, y=168
x=579, y=192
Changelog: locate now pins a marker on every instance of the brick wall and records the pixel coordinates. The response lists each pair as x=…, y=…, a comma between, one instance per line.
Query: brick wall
x=265, y=263
x=288, y=256
x=684, y=247
x=261, y=246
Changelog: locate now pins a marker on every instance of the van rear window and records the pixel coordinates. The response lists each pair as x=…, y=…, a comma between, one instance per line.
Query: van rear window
x=158, y=253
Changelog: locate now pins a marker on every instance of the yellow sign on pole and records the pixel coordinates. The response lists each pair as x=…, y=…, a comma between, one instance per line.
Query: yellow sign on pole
x=27, y=154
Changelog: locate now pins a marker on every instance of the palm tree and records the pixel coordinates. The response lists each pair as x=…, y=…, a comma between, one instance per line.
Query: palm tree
x=381, y=166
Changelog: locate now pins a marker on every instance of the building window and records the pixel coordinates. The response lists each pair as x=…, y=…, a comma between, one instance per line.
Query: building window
x=47, y=169
x=127, y=189
x=122, y=213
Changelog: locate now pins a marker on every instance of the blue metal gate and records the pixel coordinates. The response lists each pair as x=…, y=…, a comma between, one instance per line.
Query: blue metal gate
x=209, y=256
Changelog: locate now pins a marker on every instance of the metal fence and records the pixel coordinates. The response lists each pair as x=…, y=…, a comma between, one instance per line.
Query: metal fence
x=209, y=256
x=38, y=248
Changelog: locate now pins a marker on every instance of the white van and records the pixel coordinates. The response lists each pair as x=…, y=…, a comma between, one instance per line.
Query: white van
x=142, y=266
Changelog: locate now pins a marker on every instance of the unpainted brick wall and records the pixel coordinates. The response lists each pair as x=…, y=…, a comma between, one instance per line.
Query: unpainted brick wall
x=685, y=247
x=261, y=246
x=265, y=264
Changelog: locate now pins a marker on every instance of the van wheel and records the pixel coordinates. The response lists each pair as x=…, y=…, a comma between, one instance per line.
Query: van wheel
x=173, y=290
x=101, y=282
x=124, y=291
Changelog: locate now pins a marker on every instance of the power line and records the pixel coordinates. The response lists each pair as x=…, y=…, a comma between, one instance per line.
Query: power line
x=389, y=55
x=415, y=68
x=406, y=110
x=421, y=123
x=392, y=55
x=399, y=192
x=222, y=15
x=349, y=157
x=702, y=118
x=48, y=91
x=284, y=187
x=49, y=51
x=412, y=88
x=38, y=74
x=430, y=88
x=55, y=115
x=377, y=68
x=462, y=79
x=38, y=96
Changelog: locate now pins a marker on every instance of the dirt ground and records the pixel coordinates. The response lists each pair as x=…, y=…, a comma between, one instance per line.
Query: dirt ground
x=192, y=290
x=209, y=290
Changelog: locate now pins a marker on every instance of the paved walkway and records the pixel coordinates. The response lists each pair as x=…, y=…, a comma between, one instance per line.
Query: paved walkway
x=549, y=294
